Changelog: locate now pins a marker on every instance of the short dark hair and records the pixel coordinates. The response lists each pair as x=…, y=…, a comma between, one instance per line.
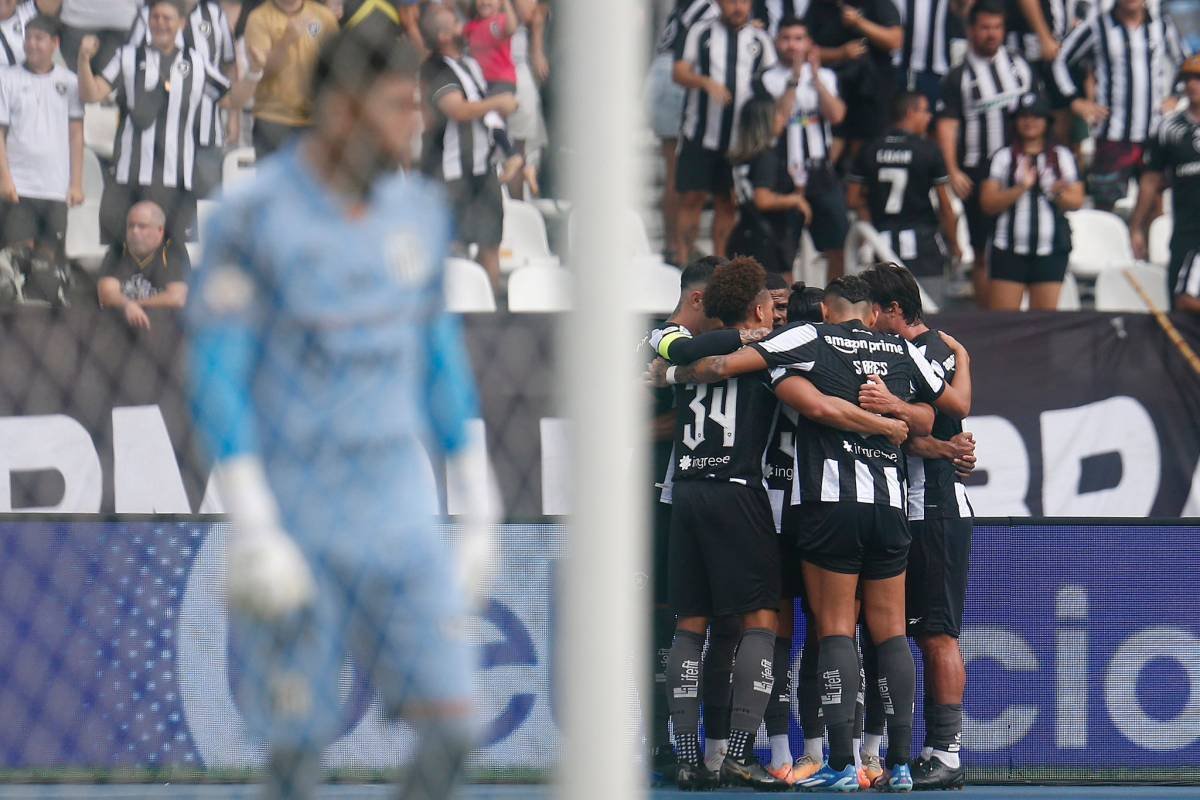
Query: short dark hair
x=776, y=281
x=699, y=272
x=352, y=60
x=179, y=5
x=429, y=26
x=892, y=283
x=733, y=289
x=851, y=288
x=981, y=7
x=47, y=25
x=792, y=21
x=805, y=303
x=904, y=103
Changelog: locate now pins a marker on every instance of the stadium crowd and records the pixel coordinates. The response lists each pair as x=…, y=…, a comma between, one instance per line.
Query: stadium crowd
x=961, y=137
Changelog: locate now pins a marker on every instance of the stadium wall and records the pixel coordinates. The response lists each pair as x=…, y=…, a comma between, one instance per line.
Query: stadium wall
x=1076, y=414
x=1082, y=640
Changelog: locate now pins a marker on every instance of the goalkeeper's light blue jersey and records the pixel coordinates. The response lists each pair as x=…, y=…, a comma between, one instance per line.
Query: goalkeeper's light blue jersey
x=320, y=341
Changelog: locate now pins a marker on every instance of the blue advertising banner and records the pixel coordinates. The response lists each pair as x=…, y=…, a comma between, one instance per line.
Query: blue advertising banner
x=1082, y=641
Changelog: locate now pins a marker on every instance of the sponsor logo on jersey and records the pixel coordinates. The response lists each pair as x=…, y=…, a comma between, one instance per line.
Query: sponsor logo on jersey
x=856, y=449
x=852, y=346
x=702, y=462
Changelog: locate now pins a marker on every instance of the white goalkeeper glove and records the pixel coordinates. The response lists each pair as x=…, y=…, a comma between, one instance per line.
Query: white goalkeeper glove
x=469, y=479
x=268, y=577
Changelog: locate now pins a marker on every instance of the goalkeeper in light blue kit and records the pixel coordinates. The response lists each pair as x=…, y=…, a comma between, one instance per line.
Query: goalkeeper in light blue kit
x=323, y=368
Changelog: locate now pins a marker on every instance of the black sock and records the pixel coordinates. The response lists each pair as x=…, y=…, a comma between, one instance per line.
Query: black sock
x=753, y=679
x=683, y=694
x=897, y=688
x=811, y=719
x=943, y=727
x=779, y=709
x=740, y=742
x=660, y=712
x=718, y=675
x=874, y=721
x=838, y=665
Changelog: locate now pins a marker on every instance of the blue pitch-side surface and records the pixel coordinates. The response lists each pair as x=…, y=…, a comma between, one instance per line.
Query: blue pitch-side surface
x=352, y=792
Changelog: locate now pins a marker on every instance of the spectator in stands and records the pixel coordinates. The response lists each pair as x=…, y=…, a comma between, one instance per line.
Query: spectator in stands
x=976, y=97
x=772, y=208
x=41, y=144
x=146, y=270
x=1036, y=29
x=933, y=36
x=489, y=35
x=526, y=126
x=107, y=20
x=857, y=40
x=1135, y=58
x=460, y=120
x=206, y=29
x=809, y=105
x=14, y=16
x=665, y=100
x=283, y=38
x=159, y=93
x=1029, y=187
x=720, y=64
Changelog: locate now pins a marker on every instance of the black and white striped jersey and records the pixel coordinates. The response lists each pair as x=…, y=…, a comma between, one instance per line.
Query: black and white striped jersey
x=1034, y=225
x=683, y=16
x=934, y=491
x=736, y=58
x=781, y=463
x=1021, y=36
x=159, y=97
x=1134, y=71
x=980, y=93
x=808, y=134
x=926, y=46
x=1188, y=282
x=898, y=172
x=207, y=30
x=837, y=466
x=12, y=33
x=453, y=150
x=1175, y=150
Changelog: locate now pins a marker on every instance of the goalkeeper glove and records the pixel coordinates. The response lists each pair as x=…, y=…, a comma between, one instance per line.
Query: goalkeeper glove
x=268, y=577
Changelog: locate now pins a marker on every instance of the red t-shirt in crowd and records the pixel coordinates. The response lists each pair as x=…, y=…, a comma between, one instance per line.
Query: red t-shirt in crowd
x=492, y=48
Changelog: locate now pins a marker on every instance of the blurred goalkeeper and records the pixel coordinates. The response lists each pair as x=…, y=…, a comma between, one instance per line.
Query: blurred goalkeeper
x=323, y=367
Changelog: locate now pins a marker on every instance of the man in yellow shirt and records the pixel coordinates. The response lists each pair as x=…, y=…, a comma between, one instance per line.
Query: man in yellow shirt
x=283, y=38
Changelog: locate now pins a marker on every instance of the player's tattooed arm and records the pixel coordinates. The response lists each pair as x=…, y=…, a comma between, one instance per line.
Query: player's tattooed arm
x=712, y=369
x=834, y=412
x=874, y=396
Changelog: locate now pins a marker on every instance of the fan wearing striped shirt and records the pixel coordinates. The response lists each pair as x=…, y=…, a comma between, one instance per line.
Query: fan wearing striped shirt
x=14, y=16
x=1030, y=186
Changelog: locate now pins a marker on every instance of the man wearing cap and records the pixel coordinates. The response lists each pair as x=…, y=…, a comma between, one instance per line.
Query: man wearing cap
x=1175, y=150
x=1030, y=185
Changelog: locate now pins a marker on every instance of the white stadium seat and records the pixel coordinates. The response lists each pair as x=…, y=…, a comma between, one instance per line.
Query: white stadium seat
x=524, y=242
x=238, y=166
x=1159, y=240
x=1099, y=242
x=658, y=286
x=468, y=289
x=639, y=240
x=204, y=210
x=1114, y=292
x=83, y=235
x=539, y=289
x=100, y=128
x=93, y=176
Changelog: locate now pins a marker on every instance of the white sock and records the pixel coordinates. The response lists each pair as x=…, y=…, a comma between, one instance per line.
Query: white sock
x=871, y=743
x=714, y=752
x=926, y=753
x=949, y=759
x=781, y=751
x=815, y=749
x=857, y=745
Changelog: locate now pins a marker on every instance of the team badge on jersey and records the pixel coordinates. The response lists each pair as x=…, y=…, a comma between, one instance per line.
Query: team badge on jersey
x=60, y=87
x=205, y=27
x=754, y=48
x=314, y=28
x=17, y=28
x=183, y=68
x=407, y=258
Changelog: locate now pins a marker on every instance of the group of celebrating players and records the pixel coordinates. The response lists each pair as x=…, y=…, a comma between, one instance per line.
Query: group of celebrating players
x=817, y=453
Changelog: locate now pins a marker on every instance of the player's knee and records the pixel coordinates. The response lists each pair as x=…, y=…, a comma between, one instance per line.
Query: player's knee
x=696, y=625
x=939, y=646
x=761, y=618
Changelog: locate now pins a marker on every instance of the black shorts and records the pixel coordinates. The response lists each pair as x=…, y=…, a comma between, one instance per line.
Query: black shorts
x=980, y=226
x=936, y=587
x=724, y=552
x=865, y=539
x=701, y=170
x=791, y=567
x=478, y=209
x=43, y=222
x=660, y=549
x=827, y=196
x=1008, y=266
x=1184, y=246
